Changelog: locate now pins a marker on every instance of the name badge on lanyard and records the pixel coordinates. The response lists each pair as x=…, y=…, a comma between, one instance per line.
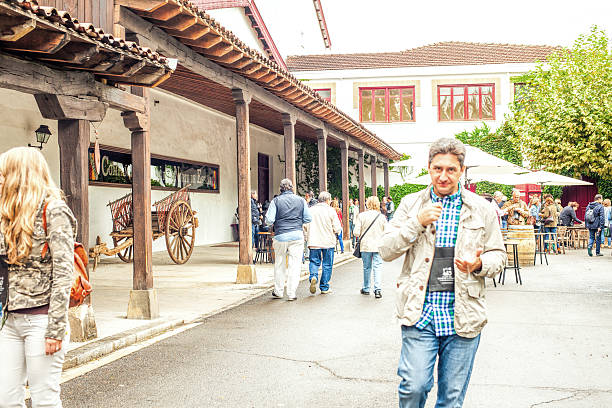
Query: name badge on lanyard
x=442, y=274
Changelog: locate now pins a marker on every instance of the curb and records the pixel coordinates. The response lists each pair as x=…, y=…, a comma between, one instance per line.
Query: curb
x=107, y=345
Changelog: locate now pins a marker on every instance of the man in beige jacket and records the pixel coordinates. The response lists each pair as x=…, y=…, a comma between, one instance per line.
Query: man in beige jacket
x=322, y=232
x=451, y=241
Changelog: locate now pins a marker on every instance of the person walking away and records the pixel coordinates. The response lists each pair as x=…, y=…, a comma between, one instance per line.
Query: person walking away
x=516, y=209
x=309, y=197
x=35, y=336
x=288, y=213
x=594, y=220
x=451, y=242
x=606, y=234
x=369, y=228
x=568, y=217
x=390, y=208
x=336, y=207
x=353, y=211
x=383, y=206
x=255, y=216
x=322, y=232
x=534, y=213
x=548, y=218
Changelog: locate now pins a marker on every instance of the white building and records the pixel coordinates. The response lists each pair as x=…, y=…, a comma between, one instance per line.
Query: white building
x=420, y=94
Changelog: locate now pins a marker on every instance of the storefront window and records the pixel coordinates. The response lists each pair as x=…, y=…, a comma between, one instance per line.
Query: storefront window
x=166, y=173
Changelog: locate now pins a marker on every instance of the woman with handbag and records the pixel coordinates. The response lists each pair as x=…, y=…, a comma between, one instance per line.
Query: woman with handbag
x=534, y=213
x=34, y=338
x=369, y=228
x=548, y=216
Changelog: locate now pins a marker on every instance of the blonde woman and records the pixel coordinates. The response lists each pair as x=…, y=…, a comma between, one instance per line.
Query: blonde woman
x=336, y=207
x=369, y=227
x=34, y=338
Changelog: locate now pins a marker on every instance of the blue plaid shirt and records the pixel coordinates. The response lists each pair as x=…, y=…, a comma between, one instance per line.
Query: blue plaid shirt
x=439, y=307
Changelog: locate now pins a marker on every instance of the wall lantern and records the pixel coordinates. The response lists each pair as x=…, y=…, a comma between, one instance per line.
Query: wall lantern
x=42, y=136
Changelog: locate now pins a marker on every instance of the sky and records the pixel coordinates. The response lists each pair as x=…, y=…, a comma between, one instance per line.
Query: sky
x=394, y=25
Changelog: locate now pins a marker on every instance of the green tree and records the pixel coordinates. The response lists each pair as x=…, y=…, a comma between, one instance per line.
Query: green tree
x=564, y=118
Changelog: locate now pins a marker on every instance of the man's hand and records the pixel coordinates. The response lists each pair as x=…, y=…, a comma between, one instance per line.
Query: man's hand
x=466, y=266
x=52, y=346
x=430, y=213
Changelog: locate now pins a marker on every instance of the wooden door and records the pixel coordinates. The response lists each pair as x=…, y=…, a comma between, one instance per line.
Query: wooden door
x=263, y=177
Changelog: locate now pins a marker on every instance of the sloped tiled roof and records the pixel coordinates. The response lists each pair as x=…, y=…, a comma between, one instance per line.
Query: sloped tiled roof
x=438, y=54
x=55, y=37
x=196, y=29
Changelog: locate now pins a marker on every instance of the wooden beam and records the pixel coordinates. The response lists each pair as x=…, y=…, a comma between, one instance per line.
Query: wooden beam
x=208, y=41
x=245, y=62
x=361, y=181
x=180, y=22
x=230, y=58
x=289, y=133
x=192, y=33
x=15, y=32
x=61, y=107
x=165, y=12
x=143, y=5
x=17, y=74
x=322, y=146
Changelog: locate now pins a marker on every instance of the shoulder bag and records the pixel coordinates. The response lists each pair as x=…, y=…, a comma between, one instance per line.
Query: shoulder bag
x=4, y=288
x=81, y=288
x=357, y=251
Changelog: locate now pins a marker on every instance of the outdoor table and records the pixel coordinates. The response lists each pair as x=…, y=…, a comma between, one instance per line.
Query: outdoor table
x=575, y=232
x=515, y=262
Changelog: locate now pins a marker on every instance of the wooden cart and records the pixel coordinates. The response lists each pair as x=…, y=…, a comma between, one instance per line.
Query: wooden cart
x=173, y=218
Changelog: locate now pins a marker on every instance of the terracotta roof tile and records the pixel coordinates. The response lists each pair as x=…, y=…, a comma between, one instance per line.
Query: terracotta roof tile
x=50, y=22
x=438, y=54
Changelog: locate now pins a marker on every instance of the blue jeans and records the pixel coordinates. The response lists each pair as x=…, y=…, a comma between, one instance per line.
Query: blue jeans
x=594, y=237
x=326, y=257
x=255, y=230
x=372, y=262
x=504, y=224
x=547, y=231
x=341, y=241
x=351, y=228
x=416, y=365
x=604, y=238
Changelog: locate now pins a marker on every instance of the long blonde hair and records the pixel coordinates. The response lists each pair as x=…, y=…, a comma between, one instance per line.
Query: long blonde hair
x=27, y=182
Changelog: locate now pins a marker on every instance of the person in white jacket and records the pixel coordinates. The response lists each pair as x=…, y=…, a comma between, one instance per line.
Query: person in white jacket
x=321, y=233
x=369, y=229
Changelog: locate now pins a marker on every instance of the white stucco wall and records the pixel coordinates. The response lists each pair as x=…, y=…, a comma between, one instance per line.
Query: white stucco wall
x=179, y=129
x=238, y=23
x=426, y=126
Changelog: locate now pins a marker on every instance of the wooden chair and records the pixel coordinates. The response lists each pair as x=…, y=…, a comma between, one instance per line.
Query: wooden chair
x=583, y=238
x=563, y=238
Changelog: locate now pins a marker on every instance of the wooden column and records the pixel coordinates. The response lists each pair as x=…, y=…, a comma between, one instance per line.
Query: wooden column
x=361, y=181
x=74, y=115
x=73, y=139
x=143, y=302
x=345, y=189
x=386, y=170
x=289, y=131
x=246, y=271
x=322, y=144
x=373, y=175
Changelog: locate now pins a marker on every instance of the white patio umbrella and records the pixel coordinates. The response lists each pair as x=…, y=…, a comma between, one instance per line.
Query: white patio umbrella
x=544, y=178
x=478, y=163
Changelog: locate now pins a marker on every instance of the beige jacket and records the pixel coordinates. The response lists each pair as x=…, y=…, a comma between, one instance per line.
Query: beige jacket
x=404, y=235
x=322, y=230
x=371, y=240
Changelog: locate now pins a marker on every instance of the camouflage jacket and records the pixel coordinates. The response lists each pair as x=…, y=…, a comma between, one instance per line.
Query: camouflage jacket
x=46, y=281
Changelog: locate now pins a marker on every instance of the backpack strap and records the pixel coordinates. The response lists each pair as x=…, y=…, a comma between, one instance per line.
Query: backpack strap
x=44, y=220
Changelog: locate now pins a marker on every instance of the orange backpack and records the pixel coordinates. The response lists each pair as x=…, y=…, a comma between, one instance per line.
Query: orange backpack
x=81, y=287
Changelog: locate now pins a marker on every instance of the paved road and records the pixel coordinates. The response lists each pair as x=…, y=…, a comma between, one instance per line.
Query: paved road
x=548, y=344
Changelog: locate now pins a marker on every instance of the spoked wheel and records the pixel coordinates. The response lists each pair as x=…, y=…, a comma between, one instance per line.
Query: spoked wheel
x=180, y=232
x=126, y=255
